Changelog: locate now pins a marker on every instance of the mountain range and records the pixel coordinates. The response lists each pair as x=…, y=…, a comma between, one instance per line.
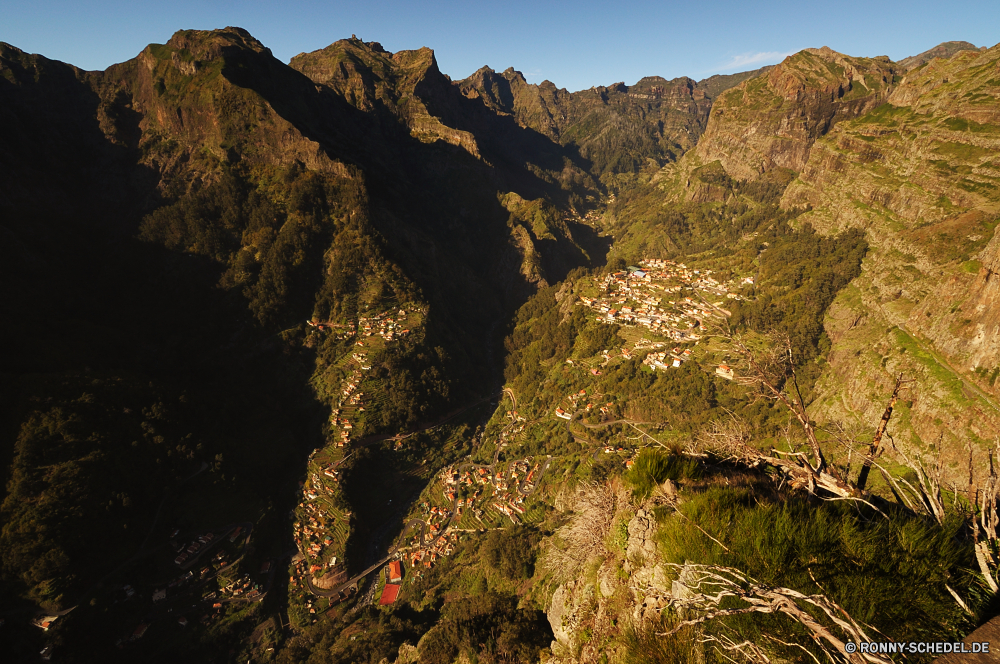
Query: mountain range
x=193, y=242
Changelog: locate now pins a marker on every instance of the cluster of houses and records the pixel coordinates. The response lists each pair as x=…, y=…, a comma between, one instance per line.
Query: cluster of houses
x=667, y=359
x=384, y=325
x=312, y=532
x=341, y=330
x=427, y=554
x=573, y=399
x=188, y=552
x=638, y=296
x=509, y=490
x=351, y=398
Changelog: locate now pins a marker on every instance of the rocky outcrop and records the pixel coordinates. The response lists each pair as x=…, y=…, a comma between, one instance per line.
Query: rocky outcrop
x=943, y=50
x=920, y=175
x=585, y=612
x=772, y=121
x=402, y=85
x=656, y=118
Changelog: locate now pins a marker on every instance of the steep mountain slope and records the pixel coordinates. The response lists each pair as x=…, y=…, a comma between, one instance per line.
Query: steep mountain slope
x=943, y=50
x=920, y=175
x=617, y=127
x=771, y=121
x=908, y=159
x=172, y=222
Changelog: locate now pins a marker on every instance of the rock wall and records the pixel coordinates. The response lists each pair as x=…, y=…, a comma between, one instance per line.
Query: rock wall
x=588, y=612
x=920, y=174
x=772, y=121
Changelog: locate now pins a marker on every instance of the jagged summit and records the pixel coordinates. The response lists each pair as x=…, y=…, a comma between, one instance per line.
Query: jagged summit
x=943, y=50
x=772, y=120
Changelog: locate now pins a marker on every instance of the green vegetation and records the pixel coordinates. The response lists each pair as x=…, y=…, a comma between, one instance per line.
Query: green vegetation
x=800, y=274
x=887, y=572
x=652, y=467
x=489, y=627
x=511, y=551
x=172, y=224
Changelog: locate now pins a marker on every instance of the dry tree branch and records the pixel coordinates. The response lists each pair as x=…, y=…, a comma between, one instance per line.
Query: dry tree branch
x=928, y=490
x=873, y=450
x=793, y=645
x=711, y=584
x=595, y=507
x=769, y=371
x=751, y=652
x=959, y=600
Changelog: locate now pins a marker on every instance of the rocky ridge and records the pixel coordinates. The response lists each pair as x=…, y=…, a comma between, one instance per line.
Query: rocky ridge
x=771, y=121
x=587, y=613
x=919, y=175
x=654, y=119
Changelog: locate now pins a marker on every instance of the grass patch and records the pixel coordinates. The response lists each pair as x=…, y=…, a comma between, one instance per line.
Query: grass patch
x=653, y=467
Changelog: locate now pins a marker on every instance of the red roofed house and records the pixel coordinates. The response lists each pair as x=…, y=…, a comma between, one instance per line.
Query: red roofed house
x=389, y=594
x=395, y=572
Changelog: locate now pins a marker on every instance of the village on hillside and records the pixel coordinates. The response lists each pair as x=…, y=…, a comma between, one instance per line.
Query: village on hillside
x=651, y=296
x=672, y=301
x=321, y=529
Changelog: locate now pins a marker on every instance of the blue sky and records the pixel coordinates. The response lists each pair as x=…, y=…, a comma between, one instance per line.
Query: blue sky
x=574, y=44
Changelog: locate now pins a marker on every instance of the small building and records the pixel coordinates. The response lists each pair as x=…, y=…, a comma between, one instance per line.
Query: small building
x=395, y=572
x=725, y=371
x=389, y=594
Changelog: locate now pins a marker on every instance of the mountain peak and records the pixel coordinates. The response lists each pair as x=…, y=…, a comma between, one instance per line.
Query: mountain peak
x=943, y=50
x=210, y=44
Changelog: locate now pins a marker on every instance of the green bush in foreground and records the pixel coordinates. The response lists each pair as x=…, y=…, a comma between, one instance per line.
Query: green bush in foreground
x=889, y=571
x=653, y=467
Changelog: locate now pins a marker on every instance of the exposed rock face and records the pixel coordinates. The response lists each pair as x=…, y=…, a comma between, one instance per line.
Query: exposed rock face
x=641, y=546
x=921, y=175
x=943, y=50
x=399, y=84
x=584, y=612
x=772, y=121
x=655, y=117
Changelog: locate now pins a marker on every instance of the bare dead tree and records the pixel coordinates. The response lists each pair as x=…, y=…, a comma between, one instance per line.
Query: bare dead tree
x=985, y=521
x=727, y=648
x=729, y=438
x=711, y=585
x=924, y=498
x=873, y=450
x=595, y=507
x=770, y=371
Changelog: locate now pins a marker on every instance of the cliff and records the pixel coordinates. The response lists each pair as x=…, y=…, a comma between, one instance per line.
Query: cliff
x=919, y=174
x=772, y=121
x=617, y=128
